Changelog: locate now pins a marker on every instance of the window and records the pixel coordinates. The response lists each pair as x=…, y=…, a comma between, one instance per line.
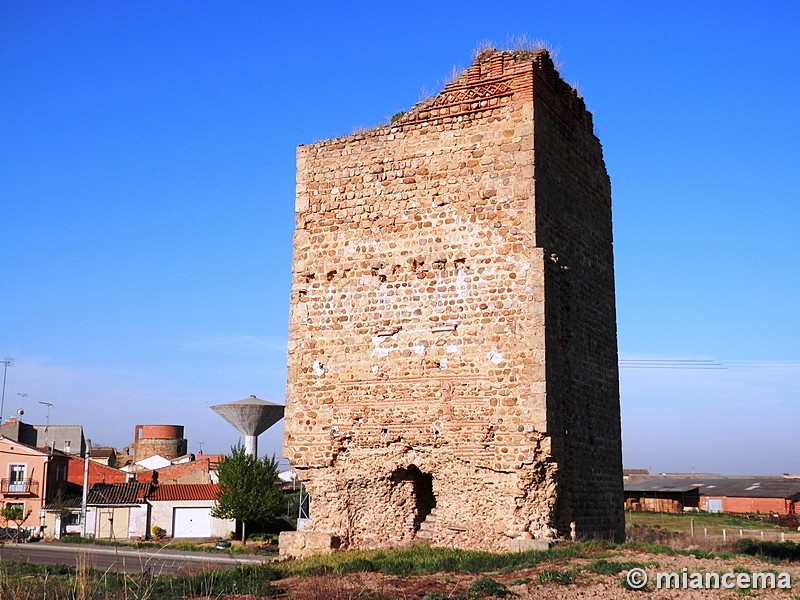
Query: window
x=16, y=478
x=68, y=446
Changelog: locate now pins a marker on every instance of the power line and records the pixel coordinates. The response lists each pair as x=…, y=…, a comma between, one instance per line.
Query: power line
x=670, y=363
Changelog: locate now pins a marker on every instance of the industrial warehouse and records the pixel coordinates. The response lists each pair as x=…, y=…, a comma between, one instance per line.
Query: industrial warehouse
x=681, y=492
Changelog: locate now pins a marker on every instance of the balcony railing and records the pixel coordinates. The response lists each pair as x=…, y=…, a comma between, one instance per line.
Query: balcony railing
x=19, y=487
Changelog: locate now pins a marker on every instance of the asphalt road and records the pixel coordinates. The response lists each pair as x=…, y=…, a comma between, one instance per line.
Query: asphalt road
x=124, y=560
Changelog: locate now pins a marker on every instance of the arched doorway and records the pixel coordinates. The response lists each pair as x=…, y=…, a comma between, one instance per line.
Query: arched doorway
x=420, y=488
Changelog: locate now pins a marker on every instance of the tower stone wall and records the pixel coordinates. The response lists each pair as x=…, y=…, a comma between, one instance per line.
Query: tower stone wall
x=162, y=440
x=452, y=365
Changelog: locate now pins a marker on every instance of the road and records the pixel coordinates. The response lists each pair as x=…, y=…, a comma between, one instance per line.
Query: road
x=125, y=560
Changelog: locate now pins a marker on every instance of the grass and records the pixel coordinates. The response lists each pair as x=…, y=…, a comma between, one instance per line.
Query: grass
x=560, y=576
x=422, y=560
x=777, y=550
x=486, y=586
x=612, y=567
x=682, y=523
x=22, y=581
x=26, y=581
x=182, y=545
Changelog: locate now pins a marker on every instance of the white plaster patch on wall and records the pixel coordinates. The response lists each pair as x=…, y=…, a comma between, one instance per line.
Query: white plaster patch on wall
x=382, y=352
x=461, y=283
x=317, y=368
x=494, y=356
x=375, y=369
x=452, y=348
x=418, y=349
x=382, y=287
x=443, y=364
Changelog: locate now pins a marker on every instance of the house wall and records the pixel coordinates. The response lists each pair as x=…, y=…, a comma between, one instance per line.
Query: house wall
x=97, y=473
x=14, y=429
x=198, y=471
x=780, y=506
x=436, y=308
x=111, y=522
x=51, y=525
x=35, y=462
x=162, y=515
x=65, y=438
x=118, y=522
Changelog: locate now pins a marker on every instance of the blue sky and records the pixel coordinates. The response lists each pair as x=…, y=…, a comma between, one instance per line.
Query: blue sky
x=147, y=188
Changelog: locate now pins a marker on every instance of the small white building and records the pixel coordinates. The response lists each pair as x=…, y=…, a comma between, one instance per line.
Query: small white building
x=117, y=511
x=151, y=463
x=184, y=511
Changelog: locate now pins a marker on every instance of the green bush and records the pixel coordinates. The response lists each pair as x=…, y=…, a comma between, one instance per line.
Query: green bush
x=486, y=586
x=420, y=560
x=23, y=581
x=779, y=550
x=612, y=567
x=556, y=576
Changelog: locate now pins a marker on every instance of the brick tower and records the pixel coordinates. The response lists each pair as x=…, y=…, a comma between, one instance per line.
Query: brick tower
x=452, y=334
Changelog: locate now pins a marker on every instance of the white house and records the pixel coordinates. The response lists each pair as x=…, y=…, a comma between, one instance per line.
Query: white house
x=184, y=511
x=117, y=511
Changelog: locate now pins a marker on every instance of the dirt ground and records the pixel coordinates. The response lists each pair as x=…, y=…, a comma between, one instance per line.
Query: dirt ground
x=523, y=583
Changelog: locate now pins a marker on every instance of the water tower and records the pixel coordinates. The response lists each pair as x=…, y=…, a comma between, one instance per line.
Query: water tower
x=251, y=417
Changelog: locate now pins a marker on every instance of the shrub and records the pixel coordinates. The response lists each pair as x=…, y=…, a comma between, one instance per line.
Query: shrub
x=779, y=550
x=556, y=576
x=486, y=586
x=612, y=567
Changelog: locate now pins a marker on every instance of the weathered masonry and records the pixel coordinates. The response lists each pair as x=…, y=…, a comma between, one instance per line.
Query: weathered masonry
x=452, y=339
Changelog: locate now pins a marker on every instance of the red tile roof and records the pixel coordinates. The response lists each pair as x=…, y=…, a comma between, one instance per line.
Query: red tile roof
x=184, y=491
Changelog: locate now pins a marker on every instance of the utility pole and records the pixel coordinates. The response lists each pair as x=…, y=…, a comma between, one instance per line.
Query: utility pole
x=6, y=362
x=85, y=486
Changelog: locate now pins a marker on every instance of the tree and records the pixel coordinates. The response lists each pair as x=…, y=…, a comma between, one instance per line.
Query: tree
x=247, y=488
x=15, y=513
x=62, y=506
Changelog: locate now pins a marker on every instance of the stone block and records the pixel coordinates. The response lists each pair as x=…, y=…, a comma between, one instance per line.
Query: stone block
x=532, y=544
x=297, y=544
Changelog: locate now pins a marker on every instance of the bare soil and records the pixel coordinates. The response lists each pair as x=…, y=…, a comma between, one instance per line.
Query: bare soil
x=523, y=583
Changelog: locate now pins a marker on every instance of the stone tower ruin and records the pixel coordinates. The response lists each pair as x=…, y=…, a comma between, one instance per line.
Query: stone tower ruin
x=452, y=365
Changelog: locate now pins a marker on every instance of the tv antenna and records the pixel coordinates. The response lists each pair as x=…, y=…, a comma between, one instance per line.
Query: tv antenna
x=22, y=396
x=49, y=405
x=6, y=362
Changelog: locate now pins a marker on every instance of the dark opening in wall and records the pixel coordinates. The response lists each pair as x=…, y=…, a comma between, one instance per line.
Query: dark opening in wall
x=423, y=500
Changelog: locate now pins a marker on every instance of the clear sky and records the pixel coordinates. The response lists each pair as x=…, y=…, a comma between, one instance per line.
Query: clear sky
x=147, y=190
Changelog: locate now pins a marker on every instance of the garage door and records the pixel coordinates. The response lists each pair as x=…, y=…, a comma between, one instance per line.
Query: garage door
x=191, y=522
